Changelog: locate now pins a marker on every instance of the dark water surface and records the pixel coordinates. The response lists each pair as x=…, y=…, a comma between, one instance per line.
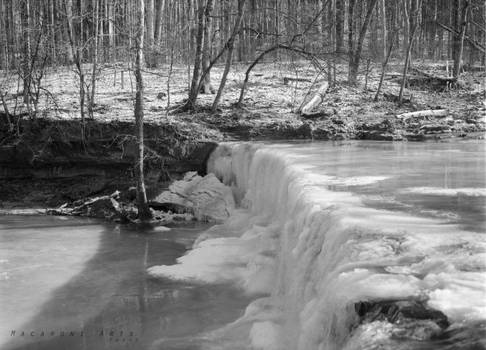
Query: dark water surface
x=68, y=283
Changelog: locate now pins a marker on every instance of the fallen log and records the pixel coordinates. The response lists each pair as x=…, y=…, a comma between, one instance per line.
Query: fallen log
x=424, y=113
x=316, y=100
x=287, y=79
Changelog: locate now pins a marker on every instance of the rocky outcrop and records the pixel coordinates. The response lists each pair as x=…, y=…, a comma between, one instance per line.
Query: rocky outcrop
x=411, y=319
x=204, y=197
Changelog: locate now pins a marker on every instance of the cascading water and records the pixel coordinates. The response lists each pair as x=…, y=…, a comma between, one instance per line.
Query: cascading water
x=322, y=227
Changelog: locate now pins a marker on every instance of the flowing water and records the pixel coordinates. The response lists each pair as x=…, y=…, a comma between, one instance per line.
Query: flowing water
x=324, y=226
x=319, y=227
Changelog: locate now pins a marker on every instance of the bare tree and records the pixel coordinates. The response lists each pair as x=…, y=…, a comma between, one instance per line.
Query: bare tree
x=383, y=27
x=229, y=57
x=150, y=57
x=26, y=58
x=355, y=53
x=340, y=5
x=206, y=56
x=92, y=93
x=144, y=212
x=76, y=54
x=413, y=29
x=111, y=31
x=391, y=39
x=193, y=92
x=459, y=38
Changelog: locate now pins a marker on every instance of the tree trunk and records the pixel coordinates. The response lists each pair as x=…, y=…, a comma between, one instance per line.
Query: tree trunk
x=69, y=24
x=26, y=58
x=339, y=25
x=433, y=33
x=373, y=40
x=3, y=37
x=229, y=56
x=385, y=62
x=159, y=8
x=142, y=204
x=111, y=32
x=351, y=5
x=95, y=57
x=198, y=56
x=52, y=31
x=413, y=20
x=406, y=24
x=384, y=36
x=356, y=54
x=150, y=57
x=460, y=41
x=206, y=56
x=409, y=50
x=76, y=54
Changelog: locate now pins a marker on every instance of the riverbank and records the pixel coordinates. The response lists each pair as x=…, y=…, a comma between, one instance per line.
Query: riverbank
x=45, y=162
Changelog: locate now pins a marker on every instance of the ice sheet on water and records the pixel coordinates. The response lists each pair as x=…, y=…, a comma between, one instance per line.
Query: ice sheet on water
x=437, y=191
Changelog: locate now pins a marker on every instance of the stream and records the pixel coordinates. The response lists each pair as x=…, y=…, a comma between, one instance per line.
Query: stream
x=72, y=283
x=319, y=227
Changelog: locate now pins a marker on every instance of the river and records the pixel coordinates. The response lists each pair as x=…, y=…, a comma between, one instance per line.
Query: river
x=319, y=228
x=70, y=283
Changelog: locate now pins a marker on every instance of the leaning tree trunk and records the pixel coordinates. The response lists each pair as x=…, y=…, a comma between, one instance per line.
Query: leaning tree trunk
x=231, y=44
x=142, y=204
x=383, y=66
x=356, y=53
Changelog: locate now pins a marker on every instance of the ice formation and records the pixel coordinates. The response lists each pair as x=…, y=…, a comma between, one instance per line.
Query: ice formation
x=315, y=252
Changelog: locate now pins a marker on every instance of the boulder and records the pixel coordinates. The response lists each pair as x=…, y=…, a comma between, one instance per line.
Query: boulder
x=204, y=197
x=411, y=319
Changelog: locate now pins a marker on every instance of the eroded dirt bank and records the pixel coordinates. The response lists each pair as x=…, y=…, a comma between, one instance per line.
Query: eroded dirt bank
x=49, y=163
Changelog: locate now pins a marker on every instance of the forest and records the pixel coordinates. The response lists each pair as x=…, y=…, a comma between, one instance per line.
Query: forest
x=79, y=79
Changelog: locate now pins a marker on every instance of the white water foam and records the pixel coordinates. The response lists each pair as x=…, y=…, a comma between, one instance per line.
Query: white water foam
x=316, y=252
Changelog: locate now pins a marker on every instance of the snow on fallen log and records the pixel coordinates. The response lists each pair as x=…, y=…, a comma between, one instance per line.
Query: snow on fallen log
x=424, y=113
x=316, y=100
x=286, y=80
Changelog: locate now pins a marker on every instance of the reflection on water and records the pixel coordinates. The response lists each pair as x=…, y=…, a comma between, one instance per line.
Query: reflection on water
x=68, y=283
